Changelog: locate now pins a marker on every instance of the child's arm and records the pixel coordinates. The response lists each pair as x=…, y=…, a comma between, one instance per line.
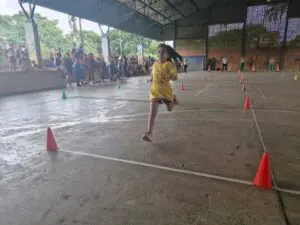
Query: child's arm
x=173, y=72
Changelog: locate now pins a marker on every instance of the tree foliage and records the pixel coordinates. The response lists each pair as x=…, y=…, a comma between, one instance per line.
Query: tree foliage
x=52, y=37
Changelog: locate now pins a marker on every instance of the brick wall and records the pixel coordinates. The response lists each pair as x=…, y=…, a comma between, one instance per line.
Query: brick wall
x=260, y=57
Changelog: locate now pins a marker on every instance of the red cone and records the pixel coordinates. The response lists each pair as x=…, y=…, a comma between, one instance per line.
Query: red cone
x=182, y=87
x=247, y=103
x=51, y=143
x=263, y=178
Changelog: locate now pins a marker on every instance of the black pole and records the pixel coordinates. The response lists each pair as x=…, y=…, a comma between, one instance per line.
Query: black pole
x=283, y=46
x=175, y=34
x=207, y=34
x=244, y=36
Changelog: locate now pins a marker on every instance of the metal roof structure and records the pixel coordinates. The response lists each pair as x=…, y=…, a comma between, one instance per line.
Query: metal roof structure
x=161, y=19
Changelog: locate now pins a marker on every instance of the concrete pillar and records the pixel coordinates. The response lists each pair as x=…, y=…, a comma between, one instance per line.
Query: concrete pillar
x=244, y=37
x=283, y=46
x=33, y=41
x=105, y=48
x=175, y=34
x=140, y=54
x=207, y=35
x=32, y=34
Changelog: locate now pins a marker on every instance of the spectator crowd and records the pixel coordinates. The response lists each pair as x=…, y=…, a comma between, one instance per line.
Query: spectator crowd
x=14, y=58
x=90, y=69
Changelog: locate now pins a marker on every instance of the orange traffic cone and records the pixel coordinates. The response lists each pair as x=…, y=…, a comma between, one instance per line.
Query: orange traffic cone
x=247, y=104
x=277, y=68
x=182, y=87
x=253, y=68
x=51, y=143
x=263, y=178
x=244, y=88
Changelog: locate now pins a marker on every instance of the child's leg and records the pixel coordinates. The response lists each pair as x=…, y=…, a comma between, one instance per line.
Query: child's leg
x=170, y=105
x=151, y=121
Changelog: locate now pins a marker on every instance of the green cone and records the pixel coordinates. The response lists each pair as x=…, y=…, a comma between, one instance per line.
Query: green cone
x=118, y=85
x=63, y=95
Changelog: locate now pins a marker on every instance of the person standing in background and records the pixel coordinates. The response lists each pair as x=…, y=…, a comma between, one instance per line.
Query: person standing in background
x=18, y=58
x=185, y=64
x=67, y=62
x=271, y=64
x=224, y=63
x=124, y=67
x=73, y=52
x=250, y=63
x=11, y=55
x=1, y=60
x=242, y=64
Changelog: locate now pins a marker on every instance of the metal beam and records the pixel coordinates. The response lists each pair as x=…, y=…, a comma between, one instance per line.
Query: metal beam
x=154, y=10
x=173, y=7
x=23, y=9
x=115, y=2
x=194, y=4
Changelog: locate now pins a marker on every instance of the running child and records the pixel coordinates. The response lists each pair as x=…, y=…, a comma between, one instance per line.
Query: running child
x=163, y=71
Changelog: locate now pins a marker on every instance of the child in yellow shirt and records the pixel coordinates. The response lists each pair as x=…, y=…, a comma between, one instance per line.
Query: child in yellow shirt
x=161, y=91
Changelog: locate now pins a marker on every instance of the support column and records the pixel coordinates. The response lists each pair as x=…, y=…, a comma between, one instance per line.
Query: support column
x=140, y=54
x=105, y=48
x=175, y=34
x=207, y=35
x=244, y=36
x=105, y=44
x=283, y=46
x=32, y=35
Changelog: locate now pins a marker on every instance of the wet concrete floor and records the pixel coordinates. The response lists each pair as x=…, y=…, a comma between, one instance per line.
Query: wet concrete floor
x=208, y=133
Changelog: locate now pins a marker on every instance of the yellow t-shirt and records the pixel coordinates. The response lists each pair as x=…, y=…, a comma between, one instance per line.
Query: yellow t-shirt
x=162, y=73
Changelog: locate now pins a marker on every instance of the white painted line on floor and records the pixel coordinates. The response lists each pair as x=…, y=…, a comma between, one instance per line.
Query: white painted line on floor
x=262, y=140
x=261, y=94
x=206, y=88
x=170, y=169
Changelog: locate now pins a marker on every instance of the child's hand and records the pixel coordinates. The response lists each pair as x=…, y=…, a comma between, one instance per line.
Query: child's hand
x=174, y=78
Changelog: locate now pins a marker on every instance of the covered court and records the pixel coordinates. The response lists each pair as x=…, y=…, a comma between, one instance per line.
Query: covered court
x=205, y=154
x=199, y=170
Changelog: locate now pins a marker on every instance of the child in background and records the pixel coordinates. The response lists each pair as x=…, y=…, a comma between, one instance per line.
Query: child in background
x=67, y=62
x=242, y=64
x=79, y=71
x=163, y=71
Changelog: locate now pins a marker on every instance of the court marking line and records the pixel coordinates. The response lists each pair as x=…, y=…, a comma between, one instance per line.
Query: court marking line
x=170, y=169
x=274, y=186
x=115, y=119
x=206, y=88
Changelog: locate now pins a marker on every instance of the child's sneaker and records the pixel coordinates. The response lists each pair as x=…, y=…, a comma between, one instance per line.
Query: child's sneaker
x=147, y=137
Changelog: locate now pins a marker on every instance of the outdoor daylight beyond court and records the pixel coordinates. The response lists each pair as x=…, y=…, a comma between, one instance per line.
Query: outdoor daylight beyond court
x=143, y=112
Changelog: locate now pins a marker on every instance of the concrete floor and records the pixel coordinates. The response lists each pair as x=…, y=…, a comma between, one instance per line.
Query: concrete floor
x=209, y=133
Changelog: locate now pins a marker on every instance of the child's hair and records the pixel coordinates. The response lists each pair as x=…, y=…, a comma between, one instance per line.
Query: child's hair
x=171, y=52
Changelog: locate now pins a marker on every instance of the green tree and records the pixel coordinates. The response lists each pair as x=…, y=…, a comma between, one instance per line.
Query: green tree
x=52, y=37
